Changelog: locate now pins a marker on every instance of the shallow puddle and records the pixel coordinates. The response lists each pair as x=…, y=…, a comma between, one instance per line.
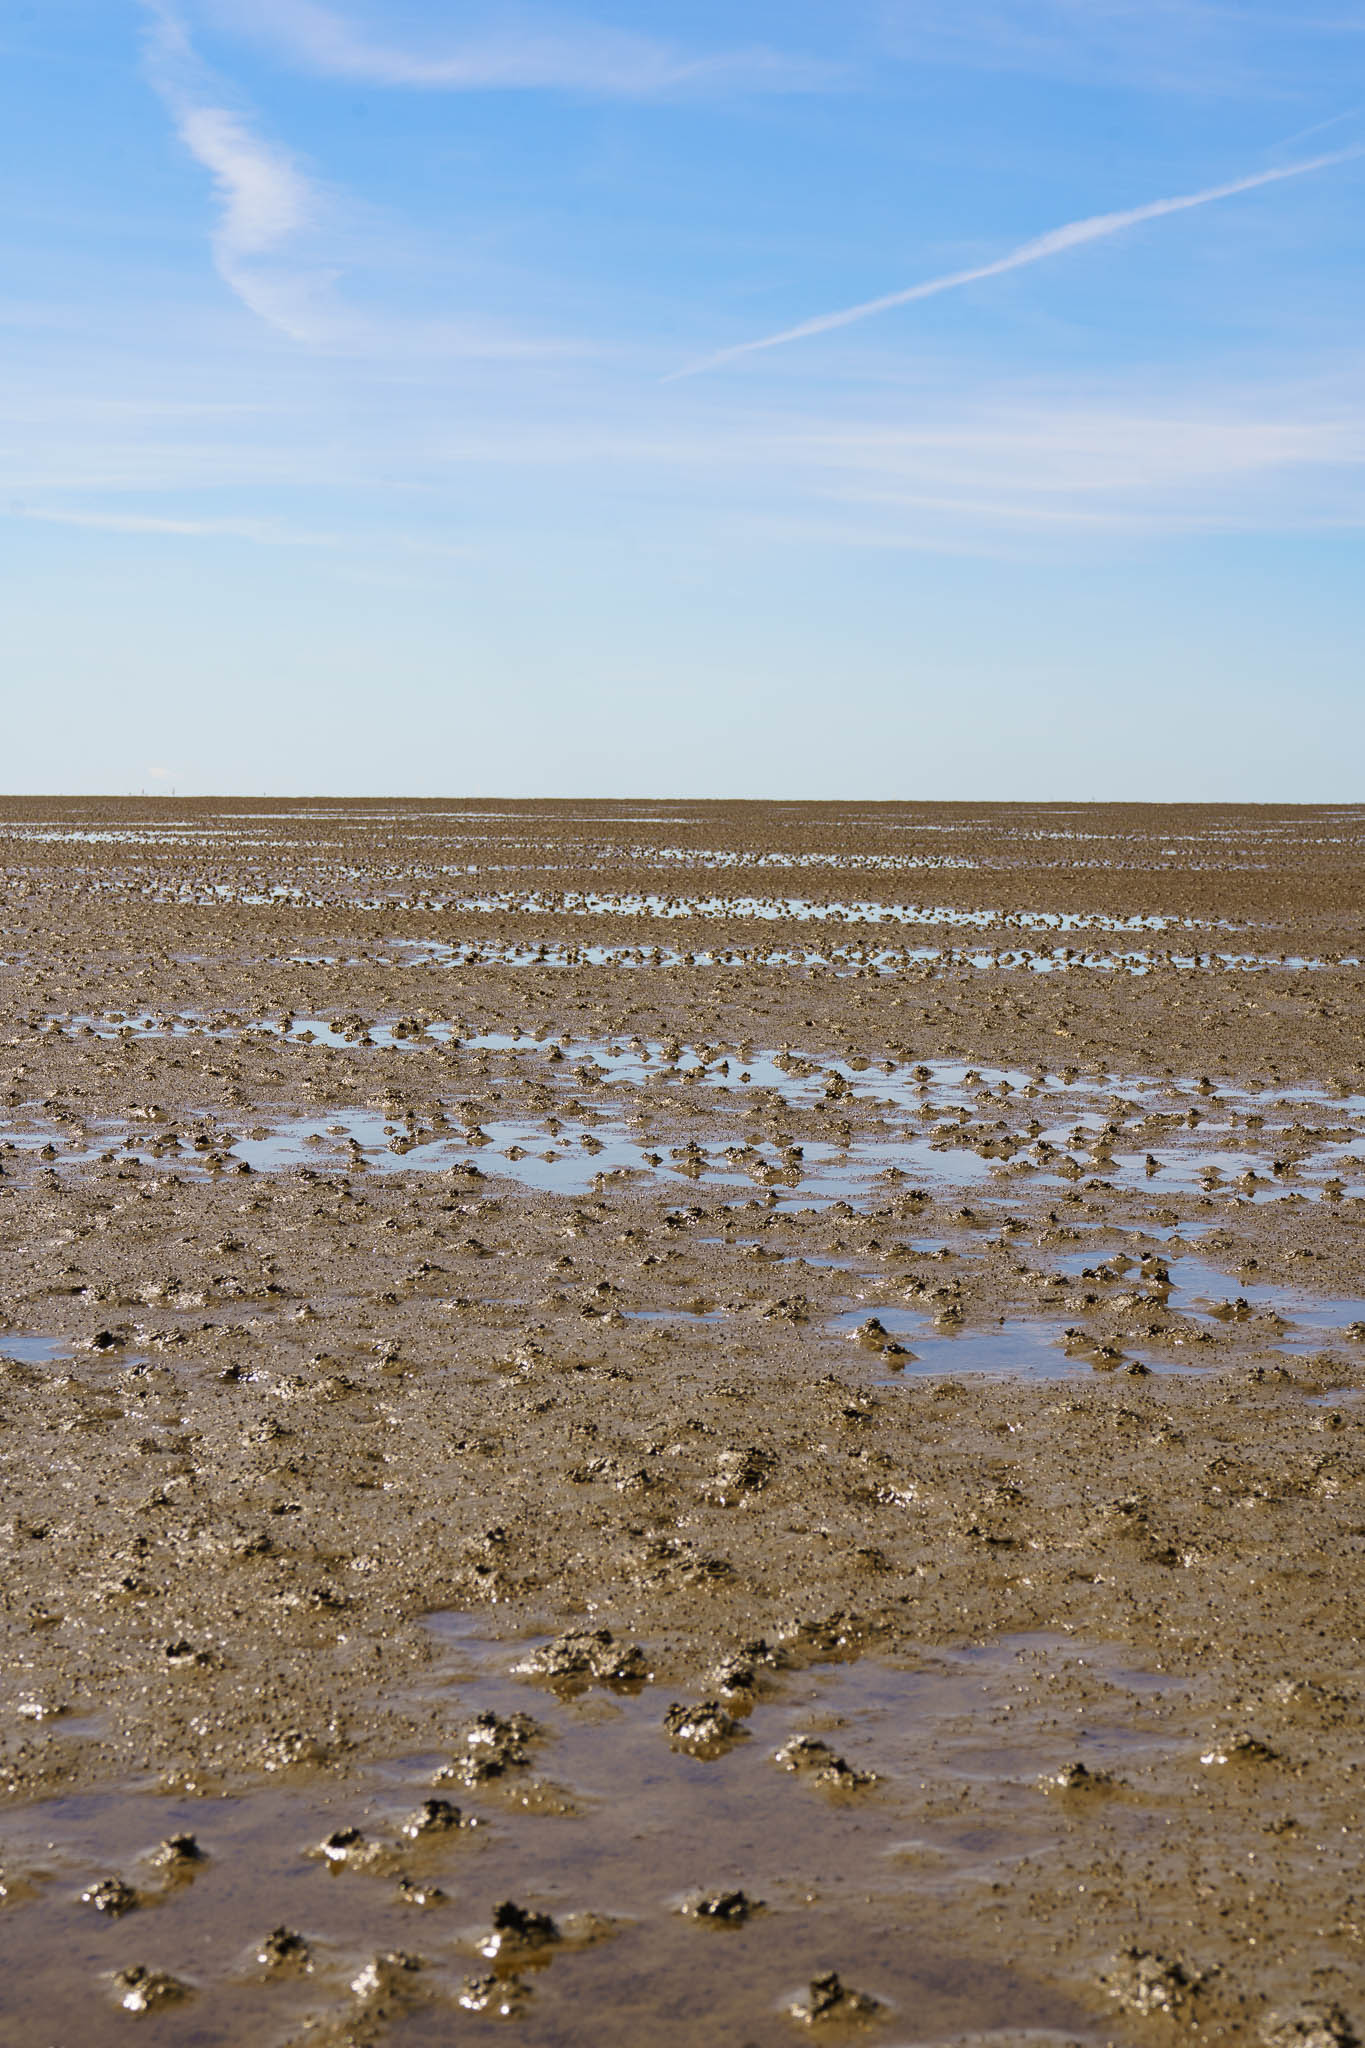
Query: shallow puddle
x=31, y=1350
x=1290, y=1316
x=1200, y=1288
x=849, y=1818
x=906, y=1343
x=578, y=1157
x=939, y=1124
x=805, y=910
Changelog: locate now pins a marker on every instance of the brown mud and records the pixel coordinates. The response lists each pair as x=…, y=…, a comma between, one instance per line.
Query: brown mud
x=672, y=1423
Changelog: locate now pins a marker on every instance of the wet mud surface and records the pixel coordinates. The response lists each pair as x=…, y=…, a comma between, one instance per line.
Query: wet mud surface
x=630, y=1450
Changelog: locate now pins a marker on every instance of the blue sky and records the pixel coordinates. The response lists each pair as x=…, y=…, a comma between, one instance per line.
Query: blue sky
x=396, y=397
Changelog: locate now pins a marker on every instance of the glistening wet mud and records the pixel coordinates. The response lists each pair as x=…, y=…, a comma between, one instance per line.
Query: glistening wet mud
x=856, y=1818
x=880, y=1288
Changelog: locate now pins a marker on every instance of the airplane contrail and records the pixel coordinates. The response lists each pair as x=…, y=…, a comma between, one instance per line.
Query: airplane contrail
x=1053, y=243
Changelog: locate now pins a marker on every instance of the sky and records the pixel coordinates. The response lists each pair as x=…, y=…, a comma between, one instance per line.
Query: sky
x=841, y=398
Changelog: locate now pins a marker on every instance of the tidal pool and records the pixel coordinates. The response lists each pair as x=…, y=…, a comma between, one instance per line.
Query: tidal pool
x=609, y=1858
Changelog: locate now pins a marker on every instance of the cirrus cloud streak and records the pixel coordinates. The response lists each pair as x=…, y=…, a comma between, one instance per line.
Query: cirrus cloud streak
x=529, y=54
x=1095, y=228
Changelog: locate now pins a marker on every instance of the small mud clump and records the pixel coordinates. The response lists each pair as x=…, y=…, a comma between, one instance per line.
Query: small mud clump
x=829, y=1998
x=739, y=1472
x=386, y=1977
x=139, y=1989
x=1240, y=1749
x=489, y=1746
x=1310, y=2026
x=178, y=1855
x=112, y=1896
x=812, y=1759
x=503, y=1996
x=342, y=1845
x=1079, y=1778
x=705, y=1730
x=585, y=1655
x=723, y=1909
x=284, y=1949
x=519, y=1927
x=432, y=1817
x=1146, y=1983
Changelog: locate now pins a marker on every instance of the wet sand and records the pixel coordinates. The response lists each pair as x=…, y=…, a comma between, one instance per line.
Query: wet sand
x=839, y=1332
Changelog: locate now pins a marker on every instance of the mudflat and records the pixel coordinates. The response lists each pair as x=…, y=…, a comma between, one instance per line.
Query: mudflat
x=675, y=1423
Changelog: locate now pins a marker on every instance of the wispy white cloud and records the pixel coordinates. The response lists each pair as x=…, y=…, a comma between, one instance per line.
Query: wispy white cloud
x=1201, y=47
x=1319, y=127
x=1024, y=458
x=263, y=532
x=266, y=533
x=1097, y=227
x=531, y=52
x=1058, y=462
x=265, y=200
x=273, y=219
